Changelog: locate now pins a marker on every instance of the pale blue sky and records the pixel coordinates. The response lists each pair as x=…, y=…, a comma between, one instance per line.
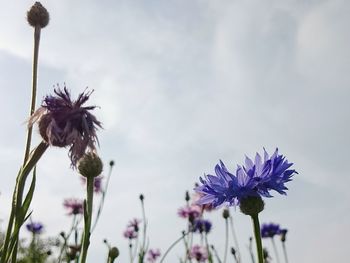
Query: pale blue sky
x=182, y=84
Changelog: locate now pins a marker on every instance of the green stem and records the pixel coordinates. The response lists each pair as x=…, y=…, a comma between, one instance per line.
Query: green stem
x=87, y=218
x=130, y=251
x=216, y=254
x=16, y=216
x=251, y=250
x=226, y=240
x=257, y=234
x=102, y=199
x=275, y=249
x=172, y=246
x=235, y=239
x=37, y=31
x=285, y=252
x=210, y=256
x=142, y=251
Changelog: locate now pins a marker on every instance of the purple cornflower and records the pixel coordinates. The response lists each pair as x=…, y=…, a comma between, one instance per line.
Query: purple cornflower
x=153, y=254
x=97, y=184
x=201, y=225
x=270, y=230
x=255, y=179
x=130, y=233
x=191, y=212
x=198, y=253
x=74, y=206
x=63, y=122
x=35, y=227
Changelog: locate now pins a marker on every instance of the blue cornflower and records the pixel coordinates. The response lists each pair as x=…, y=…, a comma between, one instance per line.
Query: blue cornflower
x=255, y=179
x=35, y=227
x=64, y=122
x=270, y=230
x=202, y=225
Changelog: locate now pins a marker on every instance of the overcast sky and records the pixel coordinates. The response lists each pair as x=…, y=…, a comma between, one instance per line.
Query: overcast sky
x=180, y=85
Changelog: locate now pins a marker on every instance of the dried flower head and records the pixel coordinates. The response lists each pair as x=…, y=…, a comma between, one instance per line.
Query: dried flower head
x=38, y=16
x=74, y=206
x=66, y=123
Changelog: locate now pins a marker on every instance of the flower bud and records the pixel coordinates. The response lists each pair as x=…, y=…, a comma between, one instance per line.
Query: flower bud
x=113, y=253
x=111, y=163
x=251, y=205
x=187, y=196
x=90, y=165
x=38, y=16
x=283, y=235
x=142, y=197
x=233, y=251
x=225, y=213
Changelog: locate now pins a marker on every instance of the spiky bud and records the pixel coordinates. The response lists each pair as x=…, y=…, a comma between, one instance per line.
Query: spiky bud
x=187, y=196
x=142, y=197
x=90, y=165
x=38, y=16
x=251, y=205
x=225, y=213
x=233, y=251
x=111, y=163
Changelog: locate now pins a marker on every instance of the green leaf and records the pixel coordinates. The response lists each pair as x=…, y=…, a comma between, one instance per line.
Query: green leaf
x=28, y=199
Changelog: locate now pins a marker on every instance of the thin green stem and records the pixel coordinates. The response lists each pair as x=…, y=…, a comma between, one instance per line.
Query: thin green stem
x=172, y=246
x=37, y=31
x=87, y=218
x=251, y=250
x=226, y=240
x=210, y=256
x=102, y=199
x=257, y=234
x=285, y=252
x=143, y=246
x=275, y=249
x=216, y=254
x=130, y=251
x=235, y=239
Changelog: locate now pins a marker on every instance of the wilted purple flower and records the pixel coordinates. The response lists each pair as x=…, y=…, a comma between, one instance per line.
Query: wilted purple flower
x=63, y=122
x=255, y=179
x=74, y=206
x=35, y=227
x=97, y=184
x=198, y=253
x=270, y=230
x=191, y=212
x=130, y=233
x=153, y=254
